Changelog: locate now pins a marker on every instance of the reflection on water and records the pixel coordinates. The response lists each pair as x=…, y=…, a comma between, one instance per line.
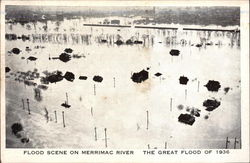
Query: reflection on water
x=74, y=32
x=117, y=103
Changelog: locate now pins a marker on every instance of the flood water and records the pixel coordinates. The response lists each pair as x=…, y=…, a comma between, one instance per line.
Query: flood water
x=117, y=103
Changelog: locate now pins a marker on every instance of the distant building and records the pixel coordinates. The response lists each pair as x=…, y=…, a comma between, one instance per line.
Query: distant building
x=115, y=22
x=59, y=17
x=44, y=17
x=106, y=21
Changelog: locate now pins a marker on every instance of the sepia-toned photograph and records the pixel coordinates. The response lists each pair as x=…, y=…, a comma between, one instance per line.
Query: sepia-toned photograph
x=119, y=77
x=98, y=78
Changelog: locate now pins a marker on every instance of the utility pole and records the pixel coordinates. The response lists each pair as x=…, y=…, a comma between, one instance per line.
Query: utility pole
x=95, y=134
x=105, y=138
x=147, y=120
x=171, y=103
x=235, y=142
x=28, y=105
x=55, y=117
x=227, y=142
x=166, y=145
x=63, y=119
x=23, y=104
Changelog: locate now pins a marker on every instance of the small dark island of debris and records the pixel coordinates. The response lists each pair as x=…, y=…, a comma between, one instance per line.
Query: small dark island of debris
x=83, y=77
x=25, y=140
x=97, y=78
x=53, y=78
x=129, y=42
x=211, y=104
x=174, y=52
x=69, y=76
x=68, y=50
x=65, y=105
x=15, y=50
x=64, y=57
x=119, y=42
x=140, y=76
x=7, y=69
x=158, y=74
x=183, y=80
x=226, y=89
x=138, y=42
x=187, y=119
x=31, y=58
x=16, y=127
x=213, y=86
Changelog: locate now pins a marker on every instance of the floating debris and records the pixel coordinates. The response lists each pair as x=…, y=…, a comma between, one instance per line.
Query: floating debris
x=66, y=103
x=104, y=41
x=18, y=135
x=97, y=78
x=15, y=50
x=138, y=42
x=24, y=37
x=64, y=57
x=174, y=52
x=29, y=83
x=44, y=80
x=140, y=76
x=10, y=36
x=129, y=42
x=38, y=96
x=209, y=44
x=68, y=50
x=206, y=117
x=22, y=57
x=198, y=45
x=211, y=104
x=43, y=87
x=180, y=107
x=187, y=119
x=25, y=140
x=183, y=80
x=31, y=58
x=83, y=77
x=195, y=112
x=158, y=74
x=195, y=79
x=119, y=42
x=37, y=92
x=16, y=127
x=213, y=85
x=55, y=78
x=76, y=56
x=7, y=69
x=226, y=89
x=69, y=76
x=27, y=49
